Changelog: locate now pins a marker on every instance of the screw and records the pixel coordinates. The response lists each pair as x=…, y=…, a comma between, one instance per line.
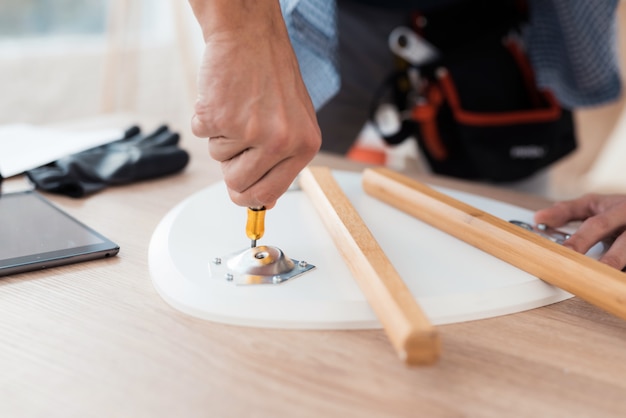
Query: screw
x=277, y=279
x=302, y=264
x=229, y=277
x=217, y=261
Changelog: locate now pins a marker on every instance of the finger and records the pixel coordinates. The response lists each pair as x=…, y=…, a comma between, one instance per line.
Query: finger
x=198, y=128
x=248, y=167
x=207, y=122
x=563, y=212
x=254, y=163
x=270, y=187
x=595, y=229
x=615, y=256
x=223, y=149
x=258, y=178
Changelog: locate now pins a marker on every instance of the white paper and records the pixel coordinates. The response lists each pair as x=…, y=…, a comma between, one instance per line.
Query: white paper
x=24, y=147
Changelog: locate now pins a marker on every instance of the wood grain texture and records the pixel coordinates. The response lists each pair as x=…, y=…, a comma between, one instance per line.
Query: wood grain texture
x=96, y=340
x=560, y=266
x=409, y=330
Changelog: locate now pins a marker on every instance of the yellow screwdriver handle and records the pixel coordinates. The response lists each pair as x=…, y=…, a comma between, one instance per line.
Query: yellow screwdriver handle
x=255, y=227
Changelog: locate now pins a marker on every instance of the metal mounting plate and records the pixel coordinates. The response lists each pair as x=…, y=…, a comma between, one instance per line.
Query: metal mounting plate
x=258, y=265
x=545, y=231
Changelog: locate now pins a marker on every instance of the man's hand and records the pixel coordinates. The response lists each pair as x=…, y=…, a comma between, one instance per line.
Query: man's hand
x=252, y=103
x=603, y=219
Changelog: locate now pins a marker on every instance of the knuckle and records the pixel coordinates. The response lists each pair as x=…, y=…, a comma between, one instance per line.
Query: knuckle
x=277, y=145
x=593, y=201
x=312, y=144
x=236, y=198
x=202, y=108
x=198, y=129
x=214, y=153
x=202, y=111
x=561, y=204
x=575, y=244
x=208, y=119
x=264, y=198
x=251, y=198
x=599, y=223
x=234, y=184
x=285, y=139
x=561, y=207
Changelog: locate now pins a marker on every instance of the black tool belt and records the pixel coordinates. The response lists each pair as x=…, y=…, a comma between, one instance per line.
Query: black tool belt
x=475, y=108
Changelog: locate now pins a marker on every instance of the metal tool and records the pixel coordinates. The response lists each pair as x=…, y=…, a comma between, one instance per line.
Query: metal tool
x=545, y=231
x=259, y=265
x=262, y=264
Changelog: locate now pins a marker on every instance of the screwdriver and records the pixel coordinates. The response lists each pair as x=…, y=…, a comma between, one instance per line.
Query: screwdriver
x=255, y=227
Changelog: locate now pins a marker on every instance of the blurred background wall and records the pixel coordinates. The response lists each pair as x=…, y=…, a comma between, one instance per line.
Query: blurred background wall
x=63, y=60
x=68, y=59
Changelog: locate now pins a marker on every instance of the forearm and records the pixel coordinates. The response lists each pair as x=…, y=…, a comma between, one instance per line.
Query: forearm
x=227, y=16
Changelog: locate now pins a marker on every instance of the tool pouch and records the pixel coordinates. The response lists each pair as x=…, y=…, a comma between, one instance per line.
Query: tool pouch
x=476, y=110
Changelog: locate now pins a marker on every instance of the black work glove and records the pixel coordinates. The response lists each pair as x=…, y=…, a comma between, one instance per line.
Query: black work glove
x=134, y=157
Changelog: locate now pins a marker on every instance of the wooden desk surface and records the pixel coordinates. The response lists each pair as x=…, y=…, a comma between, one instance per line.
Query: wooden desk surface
x=96, y=340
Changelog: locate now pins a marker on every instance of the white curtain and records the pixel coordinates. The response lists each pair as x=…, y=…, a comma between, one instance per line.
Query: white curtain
x=144, y=63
